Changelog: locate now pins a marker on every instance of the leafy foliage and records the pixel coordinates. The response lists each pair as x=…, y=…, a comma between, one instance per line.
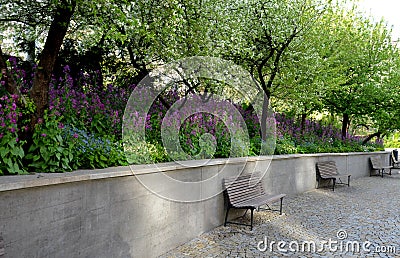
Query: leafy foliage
x=393, y=141
x=49, y=151
x=201, y=128
x=78, y=131
x=11, y=148
x=311, y=58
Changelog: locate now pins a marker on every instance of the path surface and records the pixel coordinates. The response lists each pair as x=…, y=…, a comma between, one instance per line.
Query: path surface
x=366, y=213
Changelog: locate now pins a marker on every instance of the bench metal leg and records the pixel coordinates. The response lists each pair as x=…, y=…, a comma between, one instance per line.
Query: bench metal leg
x=251, y=225
x=333, y=185
x=244, y=215
x=280, y=209
x=237, y=223
x=226, y=216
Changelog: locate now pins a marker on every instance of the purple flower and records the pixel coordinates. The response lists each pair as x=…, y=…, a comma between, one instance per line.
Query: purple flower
x=15, y=97
x=75, y=135
x=43, y=135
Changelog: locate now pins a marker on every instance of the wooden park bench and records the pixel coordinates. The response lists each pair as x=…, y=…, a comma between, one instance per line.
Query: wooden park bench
x=376, y=163
x=247, y=192
x=395, y=161
x=328, y=170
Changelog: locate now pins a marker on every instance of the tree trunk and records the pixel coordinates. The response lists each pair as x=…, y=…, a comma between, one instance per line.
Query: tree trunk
x=366, y=140
x=30, y=50
x=264, y=118
x=266, y=86
x=303, y=122
x=10, y=85
x=58, y=28
x=345, y=125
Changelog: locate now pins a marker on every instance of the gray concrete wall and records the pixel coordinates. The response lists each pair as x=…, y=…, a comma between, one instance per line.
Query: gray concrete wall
x=109, y=213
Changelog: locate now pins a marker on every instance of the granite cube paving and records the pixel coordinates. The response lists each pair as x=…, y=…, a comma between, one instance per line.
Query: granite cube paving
x=362, y=220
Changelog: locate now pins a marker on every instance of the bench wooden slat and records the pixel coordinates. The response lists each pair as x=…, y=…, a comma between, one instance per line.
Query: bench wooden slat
x=261, y=200
x=243, y=188
x=246, y=179
x=327, y=168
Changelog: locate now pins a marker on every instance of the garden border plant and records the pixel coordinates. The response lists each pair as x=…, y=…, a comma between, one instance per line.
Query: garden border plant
x=82, y=129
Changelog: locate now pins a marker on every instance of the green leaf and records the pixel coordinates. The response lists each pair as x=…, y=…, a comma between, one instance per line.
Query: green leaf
x=3, y=152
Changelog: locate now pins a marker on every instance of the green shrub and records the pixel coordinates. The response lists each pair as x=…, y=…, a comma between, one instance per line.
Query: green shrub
x=285, y=146
x=92, y=151
x=49, y=152
x=392, y=141
x=11, y=148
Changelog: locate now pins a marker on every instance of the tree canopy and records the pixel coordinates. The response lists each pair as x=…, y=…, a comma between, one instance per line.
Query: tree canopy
x=308, y=56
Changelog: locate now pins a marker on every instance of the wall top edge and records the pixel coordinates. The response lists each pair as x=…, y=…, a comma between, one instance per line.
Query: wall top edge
x=8, y=183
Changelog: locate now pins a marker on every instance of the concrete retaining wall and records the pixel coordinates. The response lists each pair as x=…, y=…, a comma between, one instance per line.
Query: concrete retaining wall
x=109, y=213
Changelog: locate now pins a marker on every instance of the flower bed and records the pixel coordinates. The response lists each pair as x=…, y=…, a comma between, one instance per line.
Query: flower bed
x=82, y=129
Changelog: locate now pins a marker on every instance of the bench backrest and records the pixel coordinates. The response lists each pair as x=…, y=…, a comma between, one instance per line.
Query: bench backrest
x=327, y=168
x=394, y=160
x=243, y=188
x=376, y=162
x=2, y=252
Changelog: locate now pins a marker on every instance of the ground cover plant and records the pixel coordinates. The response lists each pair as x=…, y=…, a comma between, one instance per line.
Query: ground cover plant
x=82, y=129
x=291, y=137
